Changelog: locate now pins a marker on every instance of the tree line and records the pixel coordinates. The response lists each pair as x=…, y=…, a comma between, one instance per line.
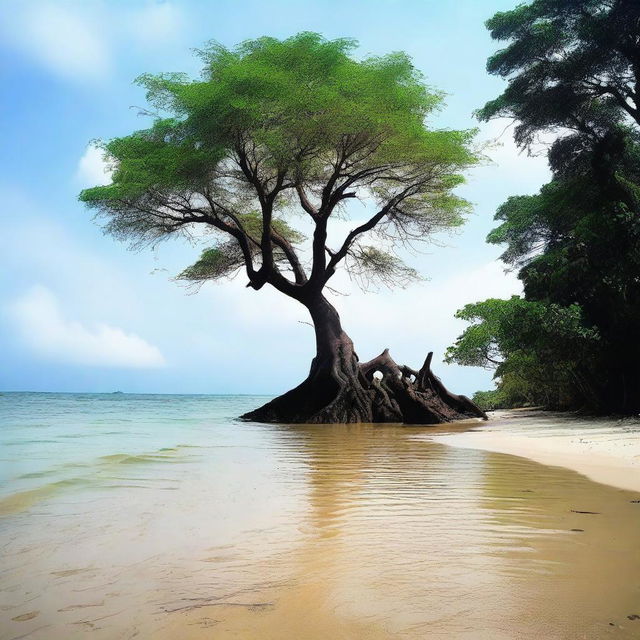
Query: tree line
x=571, y=341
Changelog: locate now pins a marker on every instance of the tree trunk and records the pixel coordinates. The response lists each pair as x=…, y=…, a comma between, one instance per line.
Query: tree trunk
x=339, y=389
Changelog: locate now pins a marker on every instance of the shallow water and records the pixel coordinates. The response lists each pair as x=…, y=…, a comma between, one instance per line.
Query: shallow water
x=160, y=516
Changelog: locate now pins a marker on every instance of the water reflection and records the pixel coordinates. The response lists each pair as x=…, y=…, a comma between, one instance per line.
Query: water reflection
x=415, y=537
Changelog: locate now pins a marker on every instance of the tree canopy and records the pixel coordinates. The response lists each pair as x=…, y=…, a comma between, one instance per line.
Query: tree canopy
x=274, y=128
x=540, y=352
x=571, y=64
x=573, y=70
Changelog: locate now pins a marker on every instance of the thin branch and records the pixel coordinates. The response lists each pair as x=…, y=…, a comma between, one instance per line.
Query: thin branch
x=367, y=226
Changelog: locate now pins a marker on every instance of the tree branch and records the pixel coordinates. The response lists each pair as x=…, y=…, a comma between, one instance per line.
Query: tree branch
x=305, y=203
x=292, y=257
x=363, y=228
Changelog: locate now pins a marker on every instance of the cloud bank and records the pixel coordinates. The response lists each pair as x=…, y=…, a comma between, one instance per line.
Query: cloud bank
x=43, y=327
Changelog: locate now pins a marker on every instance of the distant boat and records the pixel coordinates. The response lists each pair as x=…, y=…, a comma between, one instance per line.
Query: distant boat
x=116, y=392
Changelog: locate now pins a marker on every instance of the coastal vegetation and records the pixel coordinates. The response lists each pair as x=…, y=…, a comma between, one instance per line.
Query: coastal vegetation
x=278, y=132
x=573, y=72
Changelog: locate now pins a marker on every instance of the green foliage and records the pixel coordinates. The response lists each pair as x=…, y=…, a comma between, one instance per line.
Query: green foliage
x=573, y=69
x=274, y=126
x=536, y=349
x=217, y=262
x=161, y=157
x=251, y=224
x=570, y=63
x=492, y=400
x=293, y=104
x=530, y=224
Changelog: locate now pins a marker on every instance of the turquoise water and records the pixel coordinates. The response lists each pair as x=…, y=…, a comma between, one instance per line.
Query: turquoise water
x=48, y=438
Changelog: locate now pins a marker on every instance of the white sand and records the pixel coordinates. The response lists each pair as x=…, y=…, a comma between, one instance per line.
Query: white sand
x=605, y=450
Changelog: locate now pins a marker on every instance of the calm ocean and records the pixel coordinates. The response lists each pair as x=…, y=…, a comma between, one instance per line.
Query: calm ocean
x=54, y=441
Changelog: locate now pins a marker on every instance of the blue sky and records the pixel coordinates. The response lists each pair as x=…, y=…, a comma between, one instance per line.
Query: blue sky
x=79, y=312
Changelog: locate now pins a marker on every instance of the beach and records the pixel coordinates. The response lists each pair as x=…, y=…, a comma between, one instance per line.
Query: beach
x=136, y=516
x=604, y=449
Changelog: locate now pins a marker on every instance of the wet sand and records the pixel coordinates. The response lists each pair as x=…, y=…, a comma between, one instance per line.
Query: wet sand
x=360, y=531
x=603, y=449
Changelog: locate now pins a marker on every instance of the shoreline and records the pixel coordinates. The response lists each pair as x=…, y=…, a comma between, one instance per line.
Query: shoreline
x=275, y=531
x=606, y=450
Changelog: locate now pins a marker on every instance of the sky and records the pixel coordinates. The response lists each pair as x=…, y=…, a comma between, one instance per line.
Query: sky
x=79, y=311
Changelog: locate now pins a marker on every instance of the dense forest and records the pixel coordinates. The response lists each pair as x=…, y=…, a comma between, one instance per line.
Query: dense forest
x=571, y=342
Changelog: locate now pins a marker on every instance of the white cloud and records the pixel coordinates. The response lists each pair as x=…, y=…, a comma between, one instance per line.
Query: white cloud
x=86, y=41
x=43, y=327
x=92, y=169
x=69, y=43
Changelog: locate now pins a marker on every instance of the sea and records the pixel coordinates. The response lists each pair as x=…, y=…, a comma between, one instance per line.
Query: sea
x=164, y=516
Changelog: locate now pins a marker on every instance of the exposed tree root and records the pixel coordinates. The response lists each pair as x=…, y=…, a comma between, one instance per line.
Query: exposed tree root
x=339, y=389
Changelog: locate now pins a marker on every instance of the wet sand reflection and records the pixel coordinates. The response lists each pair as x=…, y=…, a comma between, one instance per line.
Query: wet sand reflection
x=310, y=532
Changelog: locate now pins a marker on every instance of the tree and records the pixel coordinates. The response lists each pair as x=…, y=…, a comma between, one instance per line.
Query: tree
x=573, y=70
x=577, y=243
x=274, y=129
x=569, y=63
x=540, y=352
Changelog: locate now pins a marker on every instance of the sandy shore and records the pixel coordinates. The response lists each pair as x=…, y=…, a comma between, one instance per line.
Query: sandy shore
x=603, y=449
